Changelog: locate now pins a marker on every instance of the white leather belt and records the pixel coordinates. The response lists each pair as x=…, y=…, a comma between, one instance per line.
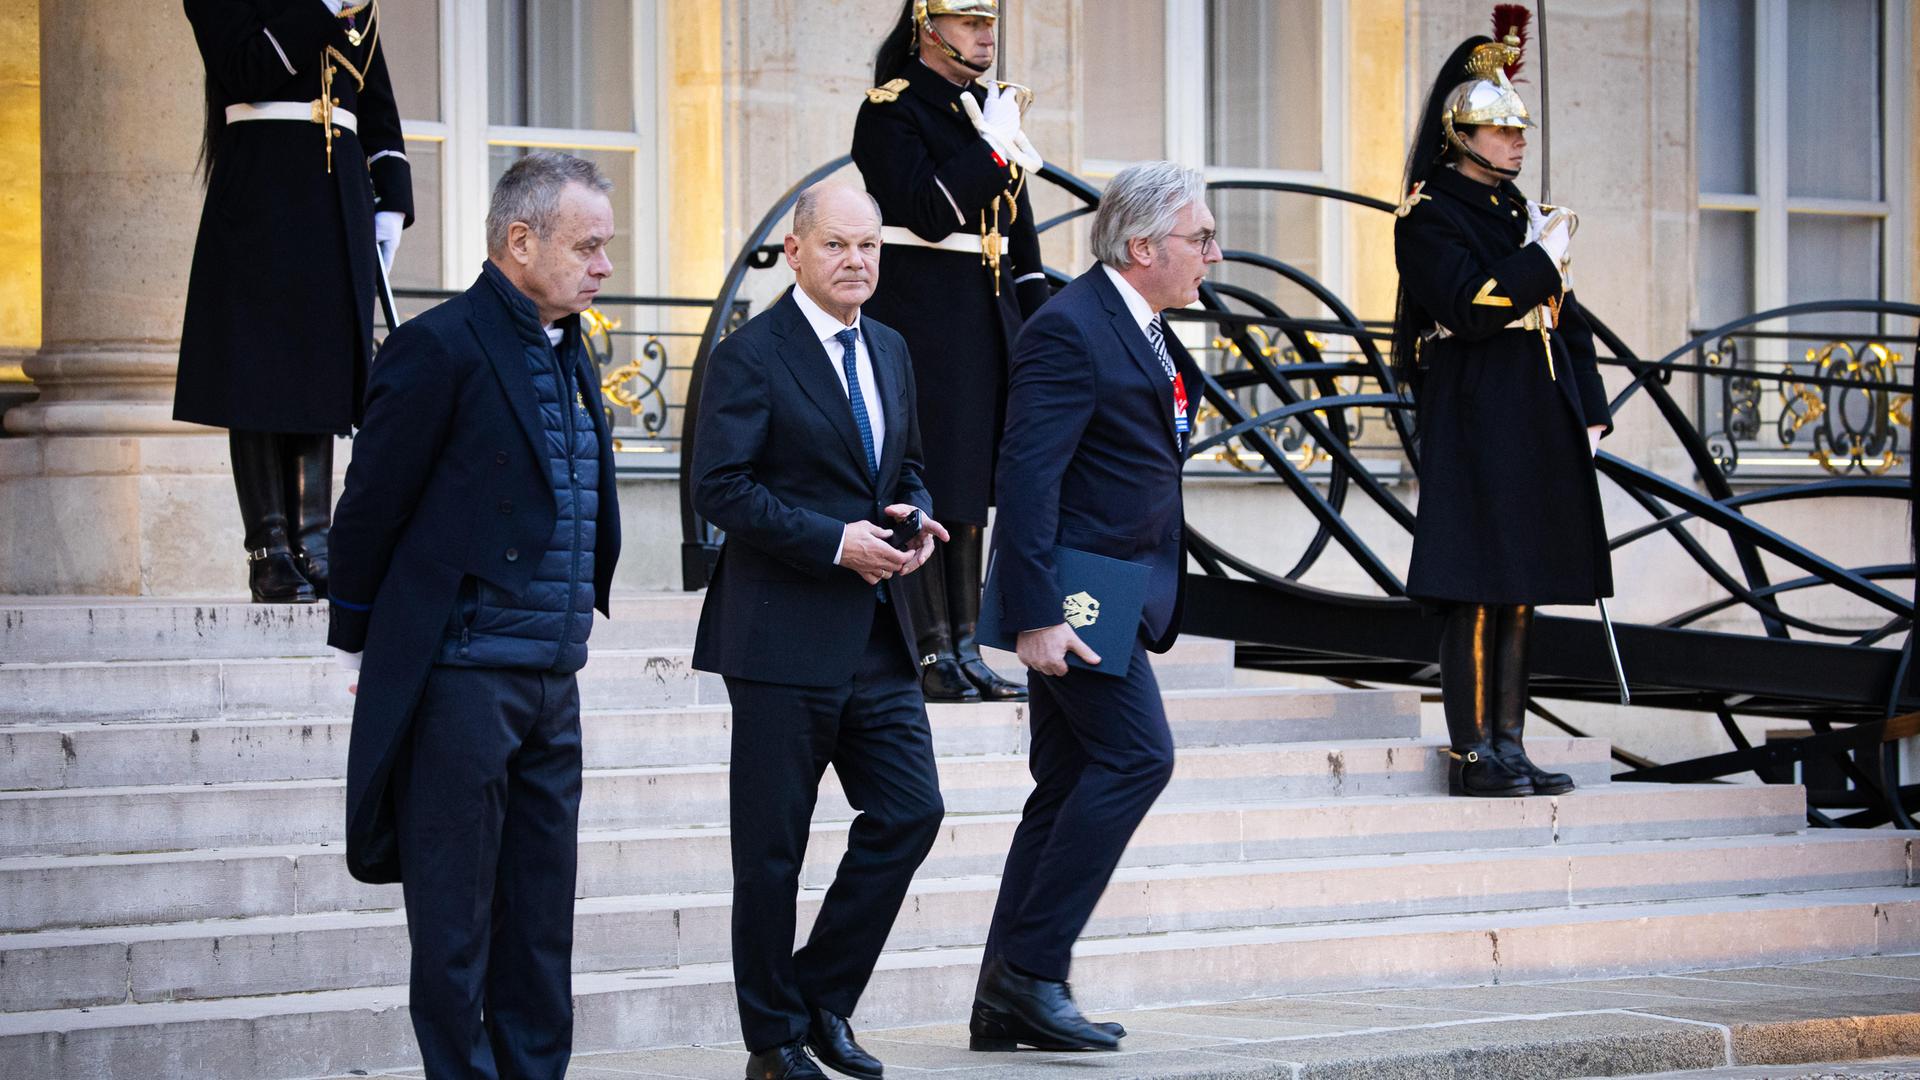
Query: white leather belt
x=305, y=111
x=960, y=242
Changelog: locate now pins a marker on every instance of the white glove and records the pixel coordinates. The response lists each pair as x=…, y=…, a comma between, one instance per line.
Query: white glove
x=1593, y=440
x=1556, y=232
x=1002, y=111
x=348, y=660
x=999, y=125
x=335, y=6
x=387, y=225
x=1535, y=219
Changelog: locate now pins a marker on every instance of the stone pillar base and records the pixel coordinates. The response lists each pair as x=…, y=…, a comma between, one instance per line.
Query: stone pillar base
x=135, y=515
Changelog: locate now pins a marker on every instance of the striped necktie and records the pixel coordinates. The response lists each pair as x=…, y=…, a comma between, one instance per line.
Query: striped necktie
x=1157, y=338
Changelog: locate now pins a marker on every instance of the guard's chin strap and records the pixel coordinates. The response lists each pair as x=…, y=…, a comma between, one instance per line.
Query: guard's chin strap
x=953, y=53
x=1484, y=163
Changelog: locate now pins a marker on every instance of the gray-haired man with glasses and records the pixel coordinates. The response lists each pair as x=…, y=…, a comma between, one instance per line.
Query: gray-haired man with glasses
x=1100, y=406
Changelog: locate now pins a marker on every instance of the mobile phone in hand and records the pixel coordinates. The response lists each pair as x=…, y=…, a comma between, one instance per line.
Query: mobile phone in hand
x=904, y=530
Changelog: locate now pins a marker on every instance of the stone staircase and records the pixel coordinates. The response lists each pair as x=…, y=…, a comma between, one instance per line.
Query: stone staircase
x=174, y=901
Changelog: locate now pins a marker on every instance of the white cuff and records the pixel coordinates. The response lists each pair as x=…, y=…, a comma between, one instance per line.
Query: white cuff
x=839, y=548
x=347, y=660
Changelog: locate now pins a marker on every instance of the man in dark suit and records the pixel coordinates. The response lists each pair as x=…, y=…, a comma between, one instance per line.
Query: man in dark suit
x=807, y=454
x=477, y=532
x=1099, y=407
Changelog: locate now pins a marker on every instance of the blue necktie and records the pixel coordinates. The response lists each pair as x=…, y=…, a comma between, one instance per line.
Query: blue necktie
x=856, y=399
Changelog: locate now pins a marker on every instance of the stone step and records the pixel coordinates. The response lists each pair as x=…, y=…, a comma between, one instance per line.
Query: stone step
x=184, y=817
x=655, y=677
x=66, y=629
x=335, y=951
x=53, y=892
x=334, y=1032
x=129, y=754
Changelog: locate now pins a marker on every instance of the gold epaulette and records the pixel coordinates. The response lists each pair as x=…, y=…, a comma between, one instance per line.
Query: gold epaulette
x=888, y=91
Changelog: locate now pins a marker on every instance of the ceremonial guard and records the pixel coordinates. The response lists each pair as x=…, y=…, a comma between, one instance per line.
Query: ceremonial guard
x=305, y=167
x=946, y=159
x=1510, y=408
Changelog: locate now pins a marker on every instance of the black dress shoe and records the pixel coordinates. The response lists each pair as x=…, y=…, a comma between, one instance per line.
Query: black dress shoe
x=1043, y=1007
x=830, y=1038
x=943, y=680
x=997, y=1032
x=788, y=1061
x=992, y=687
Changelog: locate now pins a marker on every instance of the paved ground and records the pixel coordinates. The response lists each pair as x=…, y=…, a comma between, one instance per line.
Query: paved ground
x=1751, y=1024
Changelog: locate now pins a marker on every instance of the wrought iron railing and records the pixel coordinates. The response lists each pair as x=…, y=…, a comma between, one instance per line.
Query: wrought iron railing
x=1308, y=399
x=1817, y=404
x=645, y=361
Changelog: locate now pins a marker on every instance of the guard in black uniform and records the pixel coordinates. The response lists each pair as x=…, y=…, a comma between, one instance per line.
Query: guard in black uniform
x=305, y=166
x=1511, y=408
x=946, y=159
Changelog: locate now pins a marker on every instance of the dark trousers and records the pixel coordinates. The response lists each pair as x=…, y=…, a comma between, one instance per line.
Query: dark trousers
x=488, y=812
x=874, y=732
x=1101, y=753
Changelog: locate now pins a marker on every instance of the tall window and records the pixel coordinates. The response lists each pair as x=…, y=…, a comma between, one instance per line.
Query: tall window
x=1796, y=113
x=475, y=95
x=1246, y=91
x=1802, y=130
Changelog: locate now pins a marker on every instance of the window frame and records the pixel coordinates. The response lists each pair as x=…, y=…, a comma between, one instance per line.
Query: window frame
x=1770, y=207
x=1185, y=126
x=465, y=138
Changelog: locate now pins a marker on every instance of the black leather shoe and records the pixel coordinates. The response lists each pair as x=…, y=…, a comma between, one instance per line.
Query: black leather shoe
x=993, y=1031
x=274, y=578
x=1479, y=774
x=788, y=1061
x=1544, y=782
x=1044, y=1007
x=943, y=680
x=992, y=687
x=830, y=1038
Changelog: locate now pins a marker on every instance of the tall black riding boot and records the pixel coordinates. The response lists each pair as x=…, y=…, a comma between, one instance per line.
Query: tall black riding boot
x=940, y=676
x=963, y=601
x=308, y=461
x=261, y=486
x=1513, y=634
x=1466, y=693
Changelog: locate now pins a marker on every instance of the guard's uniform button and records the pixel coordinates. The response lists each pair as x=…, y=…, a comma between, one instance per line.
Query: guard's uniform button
x=513, y=554
x=500, y=458
x=506, y=506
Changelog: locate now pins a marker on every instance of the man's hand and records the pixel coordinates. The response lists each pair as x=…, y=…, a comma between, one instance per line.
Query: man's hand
x=1593, y=439
x=865, y=551
x=1045, y=650
x=921, y=549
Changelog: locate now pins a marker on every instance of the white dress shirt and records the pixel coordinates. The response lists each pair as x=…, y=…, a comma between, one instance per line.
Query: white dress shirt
x=825, y=327
x=1137, y=305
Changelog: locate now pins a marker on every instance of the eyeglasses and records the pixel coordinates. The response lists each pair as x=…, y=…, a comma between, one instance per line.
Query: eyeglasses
x=1204, y=240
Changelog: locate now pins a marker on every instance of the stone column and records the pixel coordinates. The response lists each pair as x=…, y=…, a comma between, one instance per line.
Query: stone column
x=104, y=492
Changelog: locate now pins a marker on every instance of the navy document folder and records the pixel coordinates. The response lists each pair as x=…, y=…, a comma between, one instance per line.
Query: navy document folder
x=1101, y=599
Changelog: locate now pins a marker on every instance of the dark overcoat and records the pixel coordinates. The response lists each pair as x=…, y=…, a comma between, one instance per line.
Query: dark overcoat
x=934, y=175
x=1509, y=501
x=780, y=468
x=450, y=477
x=279, y=321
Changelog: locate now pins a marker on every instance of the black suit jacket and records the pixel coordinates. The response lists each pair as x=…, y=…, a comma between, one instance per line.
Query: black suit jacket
x=449, y=478
x=1089, y=460
x=778, y=466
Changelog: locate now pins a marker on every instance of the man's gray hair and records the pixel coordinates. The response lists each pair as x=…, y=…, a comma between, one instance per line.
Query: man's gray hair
x=530, y=190
x=806, y=209
x=1143, y=201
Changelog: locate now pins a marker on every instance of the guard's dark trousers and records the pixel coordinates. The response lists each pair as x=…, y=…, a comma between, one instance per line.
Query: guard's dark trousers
x=1101, y=755
x=874, y=733
x=488, y=811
